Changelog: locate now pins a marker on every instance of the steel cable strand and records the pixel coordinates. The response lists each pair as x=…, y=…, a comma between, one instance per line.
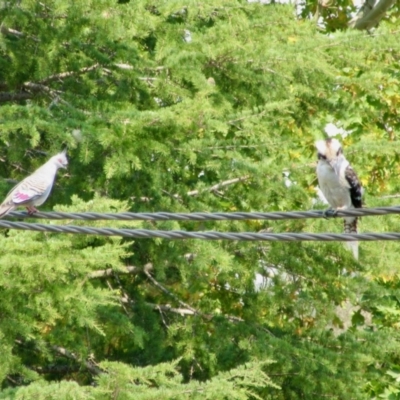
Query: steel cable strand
x=205, y=235
x=204, y=216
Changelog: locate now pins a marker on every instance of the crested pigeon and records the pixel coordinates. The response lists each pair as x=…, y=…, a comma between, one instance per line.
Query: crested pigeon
x=34, y=189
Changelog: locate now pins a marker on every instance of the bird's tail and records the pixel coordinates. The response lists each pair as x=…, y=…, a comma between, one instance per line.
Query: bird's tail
x=350, y=226
x=5, y=209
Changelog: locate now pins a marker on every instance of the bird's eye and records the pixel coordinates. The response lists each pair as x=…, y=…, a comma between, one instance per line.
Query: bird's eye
x=321, y=156
x=339, y=152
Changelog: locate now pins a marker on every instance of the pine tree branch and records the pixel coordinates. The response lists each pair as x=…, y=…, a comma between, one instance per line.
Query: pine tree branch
x=123, y=66
x=219, y=185
x=146, y=270
x=124, y=299
x=65, y=353
x=104, y=273
x=38, y=87
x=9, y=31
x=187, y=309
x=56, y=369
x=169, y=308
x=89, y=365
x=13, y=381
x=212, y=188
x=370, y=14
x=32, y=88
x=9, y=96
x=67, y=74
x=162, y=307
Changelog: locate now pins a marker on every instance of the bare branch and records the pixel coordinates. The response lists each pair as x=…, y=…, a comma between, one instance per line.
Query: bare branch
x=67, y=74
x=370, y=14
x=37, y=87
x=169, y=308
x=103, y=273
x=9, y=96
x=65, y=353
x=124, y=299
x=163, y=307
x=144, y=199
x=89, y=365
x=187, y=310
x=32, y=88
x=123, y=66
x=146, y=270
x=10, y=31
x=219, y=185
x=41, y=87
x=213, y=189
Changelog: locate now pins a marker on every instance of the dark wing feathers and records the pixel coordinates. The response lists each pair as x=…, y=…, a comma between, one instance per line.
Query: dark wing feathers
x=355, y=187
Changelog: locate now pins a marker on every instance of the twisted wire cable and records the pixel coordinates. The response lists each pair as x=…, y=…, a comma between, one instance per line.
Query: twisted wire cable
x=206, y=235
x=204, y=216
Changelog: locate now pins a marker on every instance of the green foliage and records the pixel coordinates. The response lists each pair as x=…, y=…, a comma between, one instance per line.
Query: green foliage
x=161, y=381
x=182, y=107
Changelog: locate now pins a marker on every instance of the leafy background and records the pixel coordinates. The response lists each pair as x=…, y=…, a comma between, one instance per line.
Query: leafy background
x=158, y=102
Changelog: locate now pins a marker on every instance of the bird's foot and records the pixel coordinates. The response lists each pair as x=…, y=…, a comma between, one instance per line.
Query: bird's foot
x=31, y=210
x=330, y=212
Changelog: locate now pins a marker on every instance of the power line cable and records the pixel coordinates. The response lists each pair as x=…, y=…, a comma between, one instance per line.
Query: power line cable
x=206, y=235
x=205, y=216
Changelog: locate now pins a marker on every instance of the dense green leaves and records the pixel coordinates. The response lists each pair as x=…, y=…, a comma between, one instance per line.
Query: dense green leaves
x=181, y=107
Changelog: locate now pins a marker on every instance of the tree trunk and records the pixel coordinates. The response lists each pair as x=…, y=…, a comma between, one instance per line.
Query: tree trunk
x=370, y=14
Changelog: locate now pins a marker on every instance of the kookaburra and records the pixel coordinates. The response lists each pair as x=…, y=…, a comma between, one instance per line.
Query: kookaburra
x=339, y=183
